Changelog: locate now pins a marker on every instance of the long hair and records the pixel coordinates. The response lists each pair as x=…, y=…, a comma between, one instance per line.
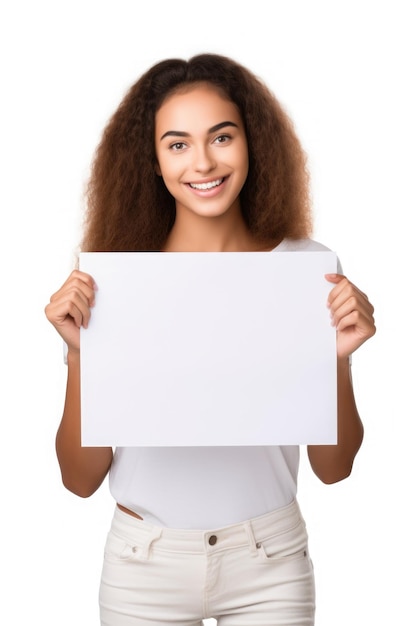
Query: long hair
x=128, y=206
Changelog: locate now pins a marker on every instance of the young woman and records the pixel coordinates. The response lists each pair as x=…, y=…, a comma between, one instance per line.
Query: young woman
x=200, y=156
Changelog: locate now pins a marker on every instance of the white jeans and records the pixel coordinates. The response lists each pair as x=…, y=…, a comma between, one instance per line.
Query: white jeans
x=249, y=574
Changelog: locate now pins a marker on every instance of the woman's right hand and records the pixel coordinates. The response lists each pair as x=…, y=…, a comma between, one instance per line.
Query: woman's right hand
x=69, y=308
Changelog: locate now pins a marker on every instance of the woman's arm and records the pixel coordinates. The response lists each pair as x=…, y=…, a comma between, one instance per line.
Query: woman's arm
x=83, y=469
x=352, y=315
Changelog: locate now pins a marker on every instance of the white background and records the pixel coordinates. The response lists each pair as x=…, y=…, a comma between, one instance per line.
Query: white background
x=346, y=73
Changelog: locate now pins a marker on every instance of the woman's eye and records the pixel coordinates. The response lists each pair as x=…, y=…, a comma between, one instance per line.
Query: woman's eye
x=222, y=138
x=178, y=145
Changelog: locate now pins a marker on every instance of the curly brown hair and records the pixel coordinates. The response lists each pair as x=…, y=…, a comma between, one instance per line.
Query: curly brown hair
x=128, y=205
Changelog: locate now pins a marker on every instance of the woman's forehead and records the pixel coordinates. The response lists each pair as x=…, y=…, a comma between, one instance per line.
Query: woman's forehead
x=197, y=103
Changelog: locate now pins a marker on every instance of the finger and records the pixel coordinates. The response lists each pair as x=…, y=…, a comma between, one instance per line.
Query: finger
x=345, y=290
x=87, y=278
x=340, y=282
x=78, y=280
x=75, y=289
x=75, y=285
x=362, y=326
x=73, y=304
x=334, y=278
x=341, y=308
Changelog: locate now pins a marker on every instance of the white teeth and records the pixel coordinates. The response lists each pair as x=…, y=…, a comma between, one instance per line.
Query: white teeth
x=210, y=185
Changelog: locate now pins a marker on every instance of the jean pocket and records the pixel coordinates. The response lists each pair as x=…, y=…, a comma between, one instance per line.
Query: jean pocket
x=119, y=549
x=285, y=547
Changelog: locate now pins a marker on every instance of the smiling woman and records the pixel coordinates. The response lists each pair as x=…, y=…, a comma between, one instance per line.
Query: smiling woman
x=200, y=156
x=130, y=208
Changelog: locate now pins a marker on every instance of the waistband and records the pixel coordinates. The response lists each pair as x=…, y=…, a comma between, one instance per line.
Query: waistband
x=245, y=533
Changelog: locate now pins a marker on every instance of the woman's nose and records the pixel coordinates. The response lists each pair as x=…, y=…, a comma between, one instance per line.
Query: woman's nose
x=204, y=160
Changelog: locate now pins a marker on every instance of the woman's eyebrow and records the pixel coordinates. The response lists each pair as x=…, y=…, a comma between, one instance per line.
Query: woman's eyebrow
x=217, y=127
x=213, y=129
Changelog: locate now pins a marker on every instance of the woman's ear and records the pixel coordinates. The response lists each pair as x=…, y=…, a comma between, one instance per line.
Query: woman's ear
x=158, y=169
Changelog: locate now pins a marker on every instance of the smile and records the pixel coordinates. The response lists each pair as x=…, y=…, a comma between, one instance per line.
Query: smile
x=209, y=185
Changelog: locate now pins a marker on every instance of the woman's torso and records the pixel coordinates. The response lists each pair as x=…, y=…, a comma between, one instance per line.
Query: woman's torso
x=207, y=487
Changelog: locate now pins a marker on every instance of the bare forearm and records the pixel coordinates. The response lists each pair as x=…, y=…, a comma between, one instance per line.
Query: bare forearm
x=83, y=469
x=334, y=463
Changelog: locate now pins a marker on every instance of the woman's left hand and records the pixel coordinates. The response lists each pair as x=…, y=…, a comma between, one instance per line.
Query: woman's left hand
x=351, y=313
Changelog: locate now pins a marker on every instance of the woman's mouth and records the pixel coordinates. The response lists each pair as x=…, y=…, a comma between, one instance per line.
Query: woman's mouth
x=205, y=186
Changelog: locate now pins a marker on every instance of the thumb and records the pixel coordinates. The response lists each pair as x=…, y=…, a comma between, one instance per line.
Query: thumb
x=334, y=278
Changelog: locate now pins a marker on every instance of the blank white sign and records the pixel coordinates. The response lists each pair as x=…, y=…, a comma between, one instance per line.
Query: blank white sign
x=209, y=349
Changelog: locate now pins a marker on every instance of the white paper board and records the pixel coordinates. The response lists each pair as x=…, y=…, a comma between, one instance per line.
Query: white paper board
x=209, y=349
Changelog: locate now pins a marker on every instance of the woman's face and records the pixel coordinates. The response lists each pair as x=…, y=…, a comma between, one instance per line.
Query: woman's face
x=201, y=150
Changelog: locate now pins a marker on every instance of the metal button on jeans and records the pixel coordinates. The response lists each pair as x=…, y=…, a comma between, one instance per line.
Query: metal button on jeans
x=212, y=540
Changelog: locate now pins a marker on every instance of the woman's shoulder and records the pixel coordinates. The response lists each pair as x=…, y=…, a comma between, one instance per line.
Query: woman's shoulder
x=300, y=245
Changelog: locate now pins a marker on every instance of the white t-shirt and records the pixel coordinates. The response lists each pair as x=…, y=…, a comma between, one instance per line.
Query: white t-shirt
x=207, y=487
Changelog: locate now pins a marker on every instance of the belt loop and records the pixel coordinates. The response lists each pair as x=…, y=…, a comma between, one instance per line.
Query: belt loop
x=154, y=534
x=251, y=538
